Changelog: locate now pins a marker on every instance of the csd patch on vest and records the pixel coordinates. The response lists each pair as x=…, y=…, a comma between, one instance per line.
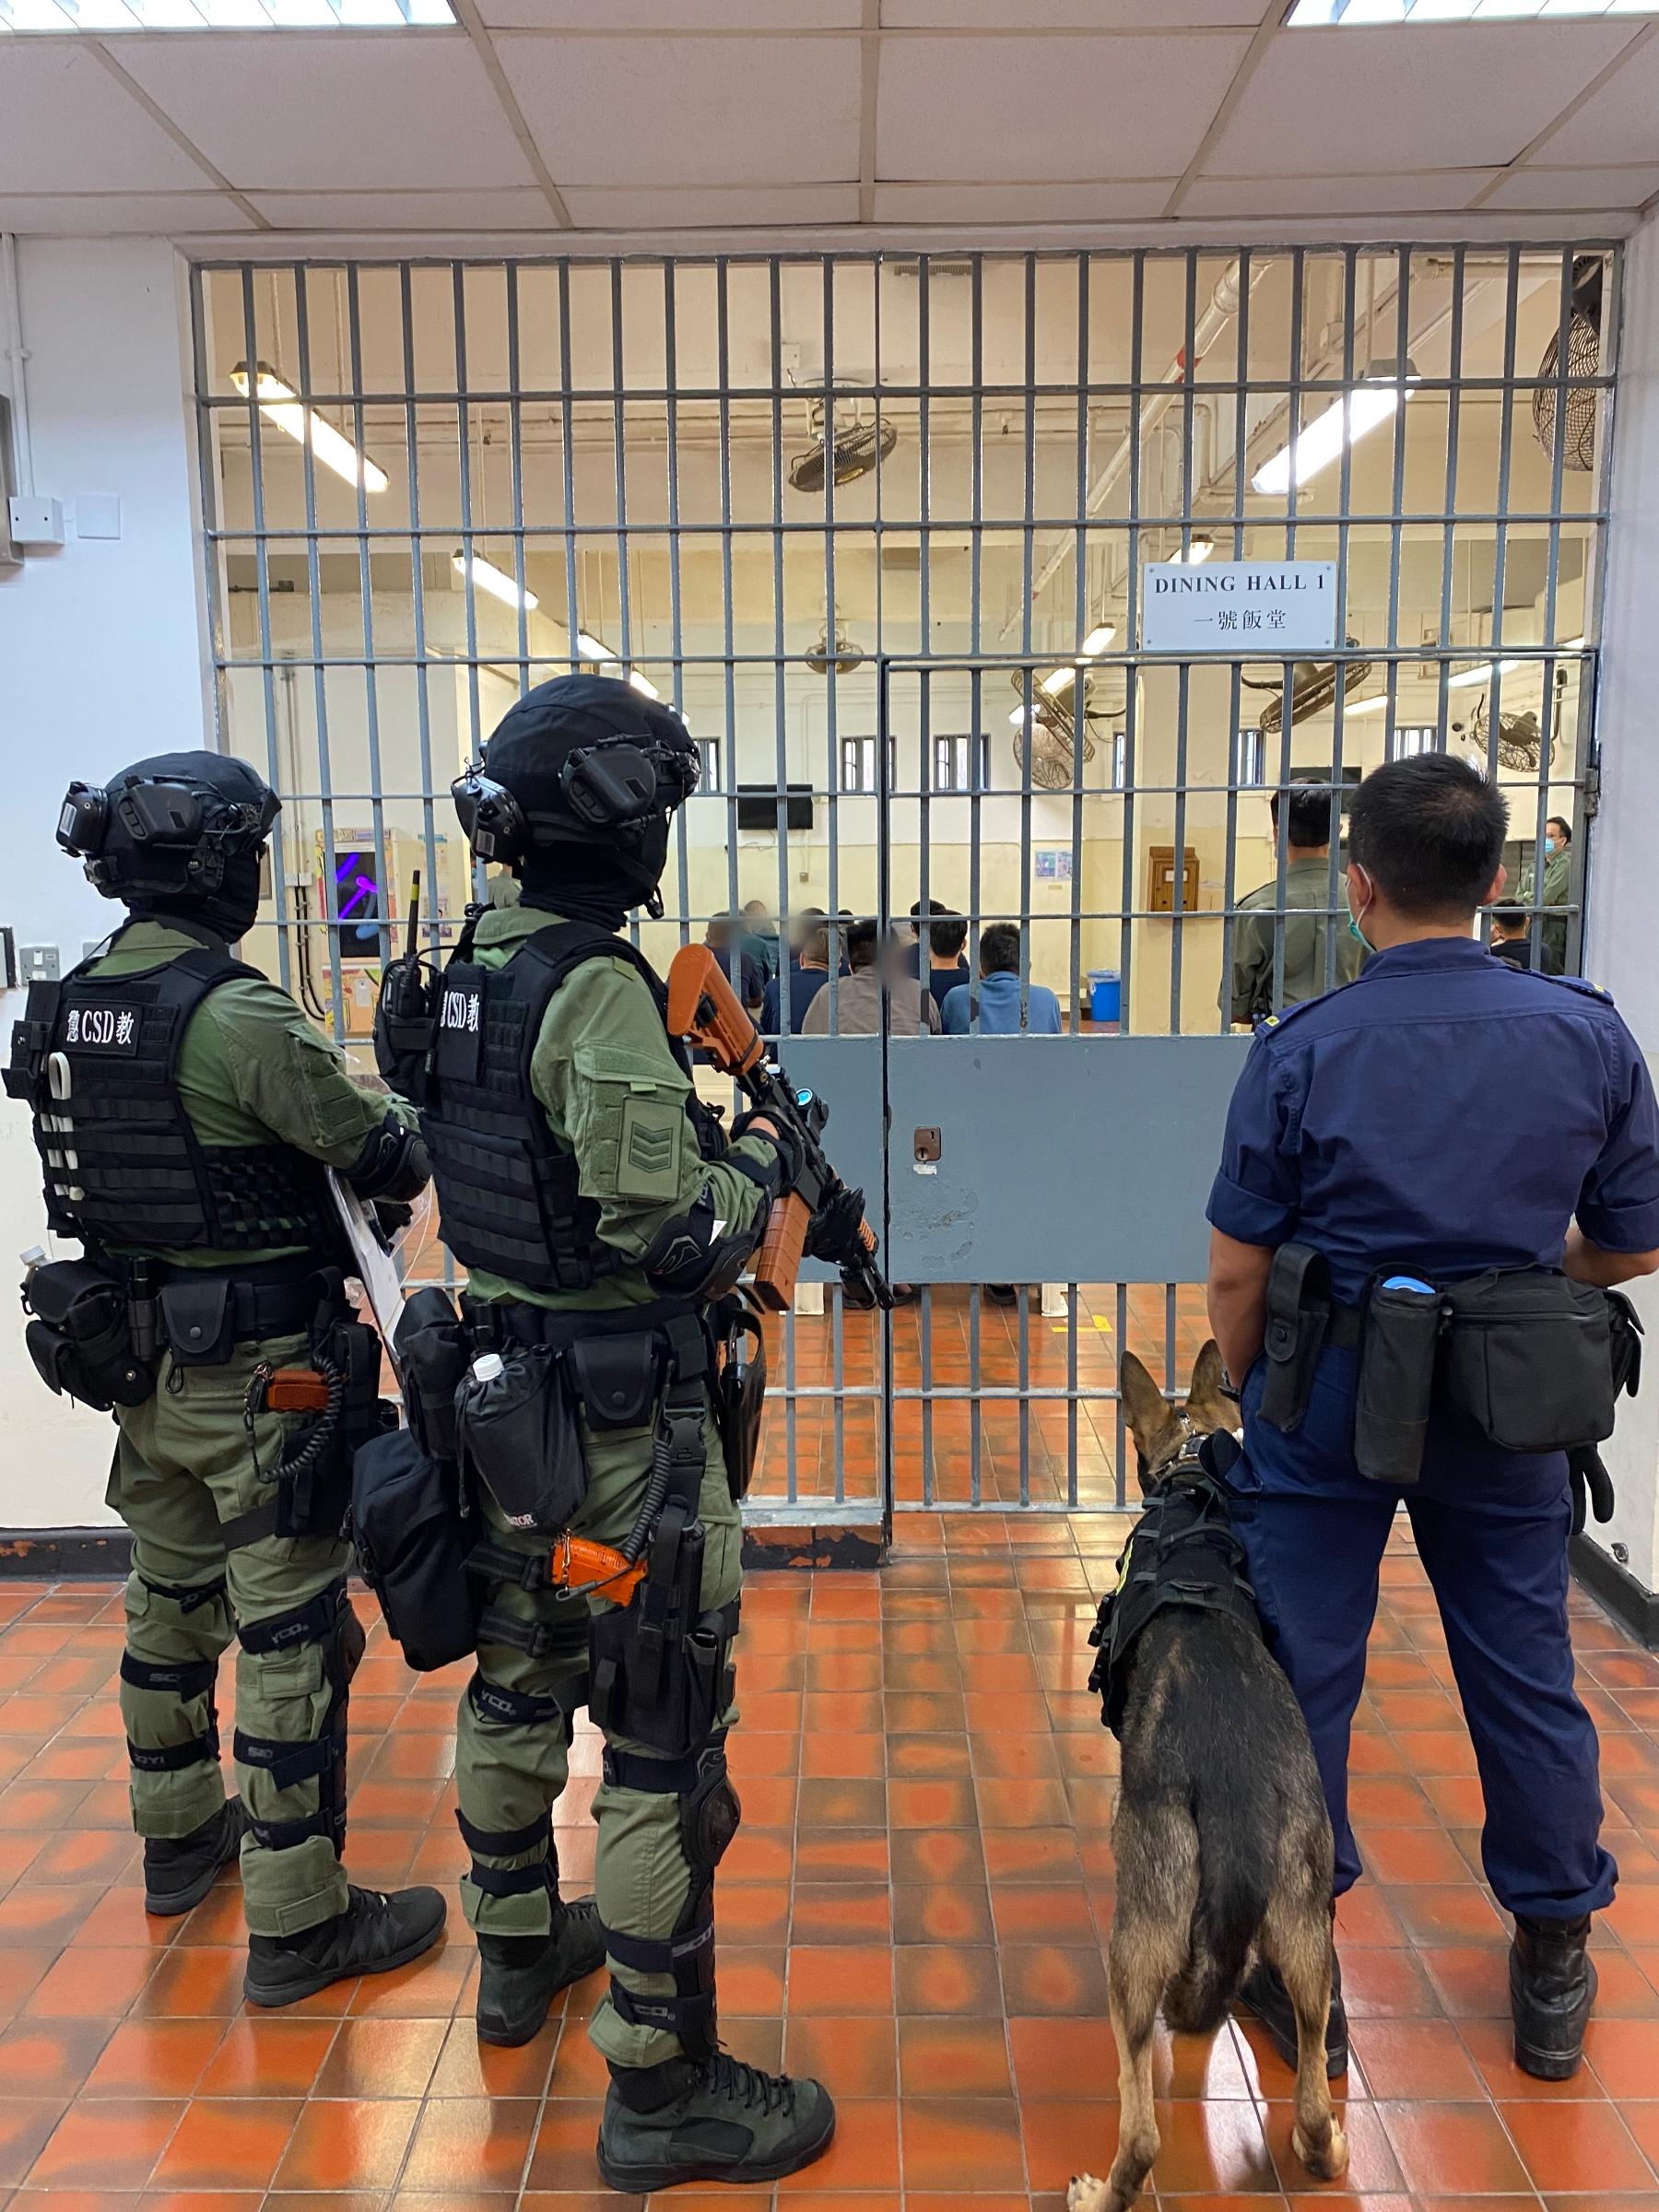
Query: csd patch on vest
x=110, y=1028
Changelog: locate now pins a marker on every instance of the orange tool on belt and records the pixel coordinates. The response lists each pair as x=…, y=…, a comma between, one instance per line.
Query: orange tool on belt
x=579, y=1565
x=294, y=1390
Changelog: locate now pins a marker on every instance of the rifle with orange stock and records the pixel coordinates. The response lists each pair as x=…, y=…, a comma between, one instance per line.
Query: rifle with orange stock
x=705, y=1010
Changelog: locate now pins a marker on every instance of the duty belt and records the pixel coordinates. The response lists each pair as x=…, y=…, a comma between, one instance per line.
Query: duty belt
x=679, y=1322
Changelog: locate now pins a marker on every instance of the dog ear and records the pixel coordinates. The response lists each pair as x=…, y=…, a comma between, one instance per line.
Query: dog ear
x=1148, y=1412
x=1206, y=1408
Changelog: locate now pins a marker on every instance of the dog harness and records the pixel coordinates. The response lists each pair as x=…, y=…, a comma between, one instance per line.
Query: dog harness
x=1181, y=1551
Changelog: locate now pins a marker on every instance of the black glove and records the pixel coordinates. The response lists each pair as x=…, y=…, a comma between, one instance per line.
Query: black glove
x=392, y=1164
x=834, y=1231
x=790, y=1151
x=1591, y=1486
x=392, y=1217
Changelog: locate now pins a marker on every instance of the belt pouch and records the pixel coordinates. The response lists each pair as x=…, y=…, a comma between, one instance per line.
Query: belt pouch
x=1299, y=1311
x=433, y=1352
x=80, y=1340
x=412, y=1545
x=1396, y=1384
x=739, y=1394
x=518, y=1429
x=1529, y=1363
x=617, y=1378
x=198, y=1319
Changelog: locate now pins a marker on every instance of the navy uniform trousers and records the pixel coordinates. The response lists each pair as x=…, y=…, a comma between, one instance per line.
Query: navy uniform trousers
x=1491, y=1531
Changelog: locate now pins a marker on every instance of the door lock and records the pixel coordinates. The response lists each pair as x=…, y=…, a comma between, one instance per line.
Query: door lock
x=929, y=1146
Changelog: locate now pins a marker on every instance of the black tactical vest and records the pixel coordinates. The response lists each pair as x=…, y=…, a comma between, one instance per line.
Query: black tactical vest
x=508, y=1192
x=97, y=1059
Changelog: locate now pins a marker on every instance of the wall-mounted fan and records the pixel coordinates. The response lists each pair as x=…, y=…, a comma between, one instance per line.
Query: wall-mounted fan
x=845, y=440
x=1048, y=732
x=1522, y=744
x=1580, y=408
x=1312, y=689
x=843, y=655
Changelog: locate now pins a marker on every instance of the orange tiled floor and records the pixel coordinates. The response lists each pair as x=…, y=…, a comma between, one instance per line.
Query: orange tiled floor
x=915, y=1907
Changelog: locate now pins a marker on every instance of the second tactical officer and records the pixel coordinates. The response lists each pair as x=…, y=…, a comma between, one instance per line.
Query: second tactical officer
x=598, y=1212
x=1442, y=1155
x=186, y=1111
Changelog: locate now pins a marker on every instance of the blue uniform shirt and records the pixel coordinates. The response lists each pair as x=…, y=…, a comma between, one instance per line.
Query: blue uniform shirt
x=1443, y=1114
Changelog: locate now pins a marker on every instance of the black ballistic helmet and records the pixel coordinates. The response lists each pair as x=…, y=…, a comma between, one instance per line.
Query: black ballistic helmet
x=582, y=760
x=178, y=833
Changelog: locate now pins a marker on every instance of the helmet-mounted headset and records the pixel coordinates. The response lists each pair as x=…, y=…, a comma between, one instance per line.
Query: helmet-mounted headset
x=613, y=789
x=187, y=826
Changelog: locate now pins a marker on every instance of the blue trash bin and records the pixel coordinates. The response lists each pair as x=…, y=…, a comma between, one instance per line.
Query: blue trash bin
x=1105, y=995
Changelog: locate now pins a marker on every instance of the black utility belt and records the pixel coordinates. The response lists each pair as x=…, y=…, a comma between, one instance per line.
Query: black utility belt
x=1523, y=1359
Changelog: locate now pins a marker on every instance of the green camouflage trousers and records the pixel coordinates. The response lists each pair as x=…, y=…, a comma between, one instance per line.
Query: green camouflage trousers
x=183, y=1465
x=511, y=1772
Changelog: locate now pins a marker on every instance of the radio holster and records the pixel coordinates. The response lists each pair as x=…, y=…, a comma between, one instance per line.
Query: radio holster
x=1298, y=1314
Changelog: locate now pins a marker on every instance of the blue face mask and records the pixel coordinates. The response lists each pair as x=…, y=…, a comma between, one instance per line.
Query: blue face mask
x=1549, y=846
x=1354, y=928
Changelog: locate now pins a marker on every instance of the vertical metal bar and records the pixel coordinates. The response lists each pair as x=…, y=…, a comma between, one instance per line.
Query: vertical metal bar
x=1500, y=559
x=567, y=418
x=1449, y=527
x=883, y=923
x=463, y=442
x=1178, y=914
x=1132, y=639
x=274, y=769
x=377, y=808
x=319, y=680
x=1081, y=564
x=423, y=702
x=1351, y=280
x=1120, y=1454
x=515, y=475
x=677, y=644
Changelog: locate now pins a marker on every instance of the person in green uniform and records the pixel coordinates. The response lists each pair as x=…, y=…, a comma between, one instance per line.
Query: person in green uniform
x=599, y=1210
x=1556, y=892
x=1304, y=823
x=185, y=1111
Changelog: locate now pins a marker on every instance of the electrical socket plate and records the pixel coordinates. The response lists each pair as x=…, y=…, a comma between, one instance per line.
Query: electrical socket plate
x=36, y=520
x=38, y=963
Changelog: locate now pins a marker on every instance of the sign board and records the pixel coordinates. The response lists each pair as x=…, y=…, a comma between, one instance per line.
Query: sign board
x=1255, y=608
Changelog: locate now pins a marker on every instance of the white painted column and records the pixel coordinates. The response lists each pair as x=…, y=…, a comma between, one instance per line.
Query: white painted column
x=1618, y=940
x=102, y=660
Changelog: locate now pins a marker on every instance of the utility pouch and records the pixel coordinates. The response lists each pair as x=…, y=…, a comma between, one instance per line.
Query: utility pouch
x=80, y=1338
x=617, y=1378
x=739, y=1391
x=1298, y=1313
x=1398, y=1351
x=198, y=1319
x=518, y=1430
x=671, y=1695
x=404, y=1025
x=1529, y=1360
x=412, y=1541
x=433, y=1352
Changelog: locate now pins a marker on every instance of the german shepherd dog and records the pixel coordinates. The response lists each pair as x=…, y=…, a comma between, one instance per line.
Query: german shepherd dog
x=1222, y=1840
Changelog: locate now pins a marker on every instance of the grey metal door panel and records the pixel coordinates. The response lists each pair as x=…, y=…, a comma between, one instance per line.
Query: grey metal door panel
x=846, y=1073
x=1075, y=1160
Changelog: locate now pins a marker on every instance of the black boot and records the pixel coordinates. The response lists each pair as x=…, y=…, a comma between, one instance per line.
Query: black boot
x=715, y=2120
x=1268, y=1999
x=374, y=1934
x=1552, y=1987
x=179, y=1870
x=519, y=1976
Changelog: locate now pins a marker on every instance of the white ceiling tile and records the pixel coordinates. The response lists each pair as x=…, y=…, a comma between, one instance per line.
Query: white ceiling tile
x=673, y=14
x=1549, y=188
x=526, y=209
x=715, y=110
x=1071, y=15
x=1442, y=96
x=1025, y=109
x=329, y=111
x=1429, y=192
x=137, y=214
x=1621, y=123
x=705, y=206
x=1130, y=201
x=66, y=125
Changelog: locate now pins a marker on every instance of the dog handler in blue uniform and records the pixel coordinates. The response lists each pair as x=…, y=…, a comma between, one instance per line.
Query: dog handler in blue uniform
x=1443, y=1115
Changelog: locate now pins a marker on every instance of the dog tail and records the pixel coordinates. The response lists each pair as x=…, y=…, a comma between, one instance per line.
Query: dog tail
x=1232, y=1901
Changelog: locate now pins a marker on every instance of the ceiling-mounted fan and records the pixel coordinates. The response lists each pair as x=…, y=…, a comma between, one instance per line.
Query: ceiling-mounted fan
x=1047, y=730
x=1314, y=688
x=845, y=442
x=835, y=649
x=1580, y=408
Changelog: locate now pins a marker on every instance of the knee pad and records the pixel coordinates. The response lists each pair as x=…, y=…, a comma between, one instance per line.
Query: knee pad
x=180, y=1679
x=328, y=1621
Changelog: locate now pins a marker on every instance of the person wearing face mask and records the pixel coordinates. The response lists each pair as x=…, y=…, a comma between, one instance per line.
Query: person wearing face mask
x=1302, y=824
x=1554, y=891
x=185, y=1111
x=1386, y=1147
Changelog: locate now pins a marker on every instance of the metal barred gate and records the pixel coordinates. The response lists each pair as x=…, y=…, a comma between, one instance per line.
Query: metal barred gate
x=876, y=525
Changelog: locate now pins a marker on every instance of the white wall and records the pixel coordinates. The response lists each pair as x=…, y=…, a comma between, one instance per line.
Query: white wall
x=101, y=661
x=1623, y=849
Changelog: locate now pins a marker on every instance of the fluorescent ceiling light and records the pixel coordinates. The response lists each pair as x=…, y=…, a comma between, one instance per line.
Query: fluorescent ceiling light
x=590, y=648
x=1098, y=638
x=306, y=427
x=1344, y=422
x=1198, y=548
x=643, y=683
x=1060, y=679
x=1483, y=675
x=496, y=581
x=1366, y=706
x=217, y=15
x=1314, y=13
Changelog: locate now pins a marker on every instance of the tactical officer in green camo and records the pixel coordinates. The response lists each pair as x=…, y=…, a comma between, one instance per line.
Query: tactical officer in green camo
x=598, y=1210
x=186, y=1111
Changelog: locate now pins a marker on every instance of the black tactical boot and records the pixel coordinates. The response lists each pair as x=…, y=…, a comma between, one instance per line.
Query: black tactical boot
x=519, y=1976
x=716, y=2120
x=1552, y=1987
x=1268, y=1999
x=179, y=1870
x=374, y=1934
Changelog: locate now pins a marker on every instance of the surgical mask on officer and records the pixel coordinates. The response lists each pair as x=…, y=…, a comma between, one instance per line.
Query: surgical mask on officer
x=1357, y=875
